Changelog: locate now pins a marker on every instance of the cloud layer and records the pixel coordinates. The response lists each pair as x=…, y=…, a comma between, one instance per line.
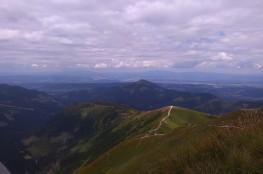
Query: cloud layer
x=97, y=34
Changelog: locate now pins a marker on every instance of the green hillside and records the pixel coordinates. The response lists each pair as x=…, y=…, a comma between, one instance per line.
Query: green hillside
x=181, y=117
x=83, y=132
x=229, y=145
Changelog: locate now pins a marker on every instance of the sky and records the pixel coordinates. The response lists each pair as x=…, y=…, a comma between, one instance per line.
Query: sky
x=203, y=35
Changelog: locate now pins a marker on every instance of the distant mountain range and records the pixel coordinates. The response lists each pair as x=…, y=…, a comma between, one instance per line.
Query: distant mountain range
x=145, y=95
x=142, y=95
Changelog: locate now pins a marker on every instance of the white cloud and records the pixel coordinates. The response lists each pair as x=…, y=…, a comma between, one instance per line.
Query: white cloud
x=83, y=65
x=34, y=65
x=222, y=56
x=156, y=64
x=121, y=64
x=70, y=26
x=259, y=66
x=6, y=34
x=168, y=11
x=136, y=33
x=101, y=65
x=60, y=40
x=51, y=20
x=34, y=36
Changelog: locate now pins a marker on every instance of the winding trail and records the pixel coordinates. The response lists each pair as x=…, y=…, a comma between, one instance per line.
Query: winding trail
x=152, y=132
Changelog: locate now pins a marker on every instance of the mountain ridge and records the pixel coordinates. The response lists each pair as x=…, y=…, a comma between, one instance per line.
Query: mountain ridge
x=86, y=145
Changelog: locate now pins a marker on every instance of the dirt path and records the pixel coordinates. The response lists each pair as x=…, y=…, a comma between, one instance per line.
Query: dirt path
x=152, y=132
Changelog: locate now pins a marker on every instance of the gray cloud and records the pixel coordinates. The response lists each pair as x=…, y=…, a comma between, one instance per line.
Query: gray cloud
x=189, y=34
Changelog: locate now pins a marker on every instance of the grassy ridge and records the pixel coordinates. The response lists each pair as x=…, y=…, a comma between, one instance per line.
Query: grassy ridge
x=229, y=145
x=82, y=133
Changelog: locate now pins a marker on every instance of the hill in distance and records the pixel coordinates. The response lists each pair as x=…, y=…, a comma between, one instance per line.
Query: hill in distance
x=145, y=95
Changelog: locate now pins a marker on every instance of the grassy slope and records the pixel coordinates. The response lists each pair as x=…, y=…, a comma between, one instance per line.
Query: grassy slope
x=83, y=132
x=229, y=145
x=181, y=117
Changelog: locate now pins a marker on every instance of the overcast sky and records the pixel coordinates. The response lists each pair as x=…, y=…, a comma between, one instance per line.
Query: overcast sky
x=195, y=35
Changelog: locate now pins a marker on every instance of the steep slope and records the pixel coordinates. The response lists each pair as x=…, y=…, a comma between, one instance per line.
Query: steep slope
x=144, y=95
x=232, y=144
x=22, y=111
x=84, y=132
